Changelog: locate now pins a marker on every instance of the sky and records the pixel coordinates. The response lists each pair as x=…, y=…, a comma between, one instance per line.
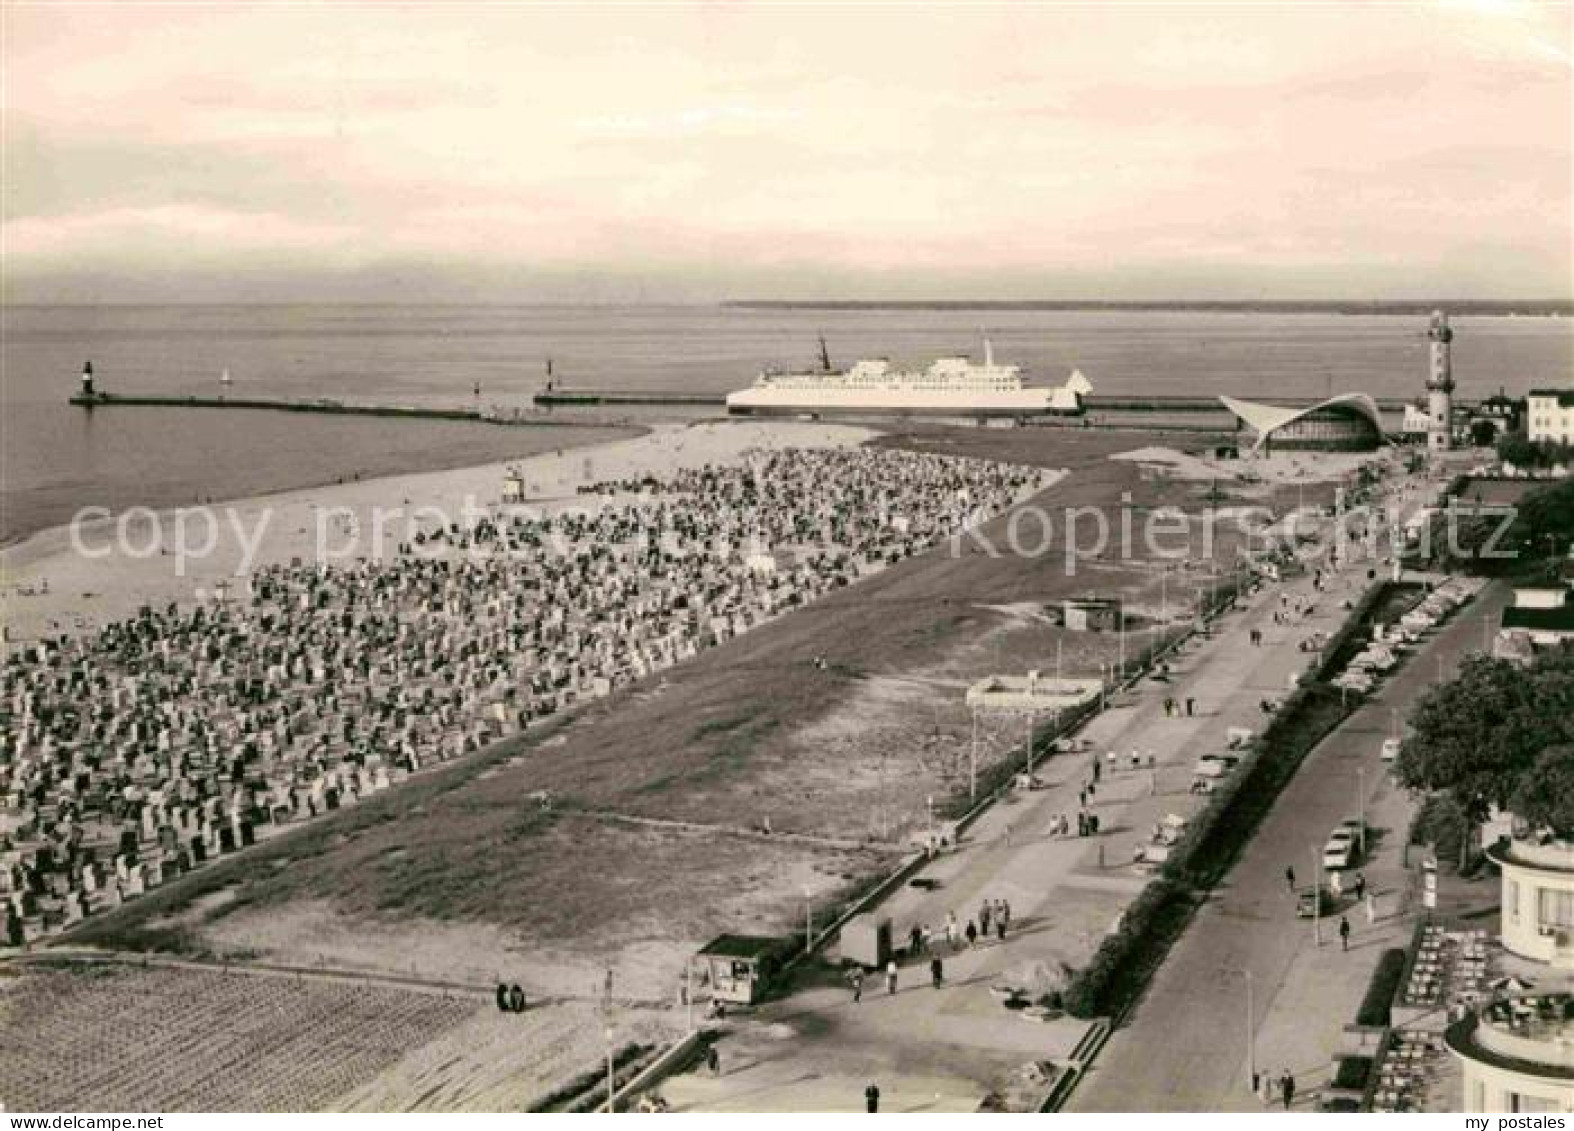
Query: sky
x=695, y=152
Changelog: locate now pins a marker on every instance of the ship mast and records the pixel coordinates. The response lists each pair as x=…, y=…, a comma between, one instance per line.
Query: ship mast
x=825, y=355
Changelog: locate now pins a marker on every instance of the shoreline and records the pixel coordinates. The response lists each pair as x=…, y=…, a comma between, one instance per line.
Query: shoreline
x=46, y=587
x=16, y=541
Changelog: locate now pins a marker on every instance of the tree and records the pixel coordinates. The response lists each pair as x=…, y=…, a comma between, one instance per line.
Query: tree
x=1480, y=737
x=1545, y=797
x=1482, y=433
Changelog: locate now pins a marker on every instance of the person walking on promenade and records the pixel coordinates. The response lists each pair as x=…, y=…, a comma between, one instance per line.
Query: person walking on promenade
x=1289, y=878
x=936, y=971
x=713, y=1060
x=857, y=980
x=952, y=935
x=915, y=939
x=971, y=933
x=890, y=977
x=1287, y=1090
x=872, y=1099
x=984, y=910
x=1359, y=890
x=1191, y=706
x=1344, y=932
x=1000, y=929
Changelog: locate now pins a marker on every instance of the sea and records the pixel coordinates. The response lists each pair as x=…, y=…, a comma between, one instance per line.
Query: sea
x=55, y=459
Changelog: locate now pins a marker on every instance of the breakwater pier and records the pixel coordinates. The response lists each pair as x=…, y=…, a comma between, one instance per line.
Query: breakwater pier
x=96, y=400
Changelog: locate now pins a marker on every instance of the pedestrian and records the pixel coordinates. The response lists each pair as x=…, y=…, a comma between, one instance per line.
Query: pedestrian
x=1266, y=1095
x=713, y=1060
x=1344, y=932
x=890, y=977
x=872, y=1099
x=1005, y=912
x=1289, y=878
x=972, y=933
x=915, y=939
x=1371, y=908
x=1096, y=768
x=928, y=938
x=1093, y=824
x=1287, y=1088
x=952, y=934
x=1191, y=707
x=984, y=912
x=1000, y=929
x=1082, y=798
x=1360, y=886
x=856, y=979
x=936, y=971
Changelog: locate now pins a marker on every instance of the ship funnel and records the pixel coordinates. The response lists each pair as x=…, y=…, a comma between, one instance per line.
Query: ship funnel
x=989, y=353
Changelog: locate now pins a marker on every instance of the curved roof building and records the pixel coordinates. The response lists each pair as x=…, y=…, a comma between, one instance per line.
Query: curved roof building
x=1346, y=423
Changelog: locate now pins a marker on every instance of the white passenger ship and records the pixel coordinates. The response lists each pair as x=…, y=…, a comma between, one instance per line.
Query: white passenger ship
x=952, y=386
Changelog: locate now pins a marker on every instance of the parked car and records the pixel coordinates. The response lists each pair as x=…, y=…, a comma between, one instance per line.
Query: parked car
x=1314, y=901
x=1215, y=765
x=1390, y=750
x=1340, y=851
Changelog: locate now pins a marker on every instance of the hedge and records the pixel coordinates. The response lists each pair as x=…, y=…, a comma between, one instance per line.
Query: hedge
x=1126, y=959
x=1352, y=1073
x=1377, y=1005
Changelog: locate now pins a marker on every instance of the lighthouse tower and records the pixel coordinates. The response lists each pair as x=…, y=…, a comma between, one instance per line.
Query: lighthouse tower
x=1440, y=386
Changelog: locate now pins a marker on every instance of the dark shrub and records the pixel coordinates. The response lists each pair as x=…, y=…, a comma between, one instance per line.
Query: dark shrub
x=1378, y=1002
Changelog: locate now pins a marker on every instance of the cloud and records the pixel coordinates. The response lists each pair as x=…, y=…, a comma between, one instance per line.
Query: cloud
x=165, y=231
x=976, y=142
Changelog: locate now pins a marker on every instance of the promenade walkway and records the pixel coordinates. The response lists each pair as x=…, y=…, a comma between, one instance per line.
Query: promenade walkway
x=1304, y=994
x=947, y=1049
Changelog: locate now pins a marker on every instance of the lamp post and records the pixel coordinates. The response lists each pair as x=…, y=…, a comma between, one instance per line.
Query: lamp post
x=1317, y=898
x=929, y=807
x=1360, y=803
x=972, y=762
x=1251, y=1035
x=808, y=921
x=1030, y=722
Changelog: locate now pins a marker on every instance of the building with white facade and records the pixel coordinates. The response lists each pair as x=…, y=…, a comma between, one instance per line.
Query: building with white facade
x=1517, y=1055
x=1549, y=415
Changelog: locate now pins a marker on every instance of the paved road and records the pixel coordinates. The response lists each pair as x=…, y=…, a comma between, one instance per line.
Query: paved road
x=1185, y=1049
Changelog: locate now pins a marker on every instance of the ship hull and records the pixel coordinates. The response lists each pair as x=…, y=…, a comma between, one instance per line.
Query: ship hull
x=898, y=402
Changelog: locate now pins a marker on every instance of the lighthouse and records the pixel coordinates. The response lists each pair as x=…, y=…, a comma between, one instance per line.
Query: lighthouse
x=1440, y=386
x=87, y=379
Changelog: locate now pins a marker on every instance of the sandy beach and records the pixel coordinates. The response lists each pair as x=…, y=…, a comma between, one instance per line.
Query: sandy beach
x=58, y=581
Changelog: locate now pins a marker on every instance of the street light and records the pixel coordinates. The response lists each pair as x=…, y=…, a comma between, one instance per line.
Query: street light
x=808, y=921
x=1251, y=1035
x=972, y=762
x=1317, y=898
x=1360, y=801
